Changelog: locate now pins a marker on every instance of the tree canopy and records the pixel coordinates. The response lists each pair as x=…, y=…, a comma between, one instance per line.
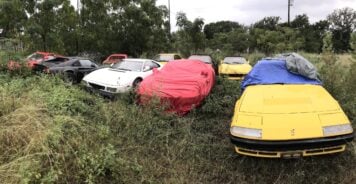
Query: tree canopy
x=139, y=27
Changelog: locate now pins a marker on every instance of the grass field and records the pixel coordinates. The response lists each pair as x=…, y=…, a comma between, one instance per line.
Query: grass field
x=51, y=132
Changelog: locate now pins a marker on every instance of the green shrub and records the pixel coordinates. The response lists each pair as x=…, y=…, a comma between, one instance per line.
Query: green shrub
x=254, y=57
x=222, y=98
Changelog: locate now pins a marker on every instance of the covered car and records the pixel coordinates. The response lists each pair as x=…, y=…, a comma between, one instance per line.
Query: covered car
x=120, y=77
x=234, y=68
x=181, y=85
x=284, y=114
x=163, y=58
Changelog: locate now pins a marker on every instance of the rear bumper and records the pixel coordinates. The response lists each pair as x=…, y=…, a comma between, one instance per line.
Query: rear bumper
x=275, y=149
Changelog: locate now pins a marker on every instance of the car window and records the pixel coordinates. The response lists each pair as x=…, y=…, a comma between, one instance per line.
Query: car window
x=129, y=65
x=76, y=63
x=86, y=63
x=205, y=59
x=153, y=64
x=164, y=57
x=57, y=60
x=235, y=60
x=35, y=56
x=114, y=58
x=177, y=57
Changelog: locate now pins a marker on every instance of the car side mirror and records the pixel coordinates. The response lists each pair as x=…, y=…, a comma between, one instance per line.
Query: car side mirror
x=146, y=68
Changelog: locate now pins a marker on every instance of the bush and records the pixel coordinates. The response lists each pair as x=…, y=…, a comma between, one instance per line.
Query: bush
x=254, y=57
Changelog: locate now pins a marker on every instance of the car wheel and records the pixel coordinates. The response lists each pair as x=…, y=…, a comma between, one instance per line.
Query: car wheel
x=69, y=77
x=136, y=83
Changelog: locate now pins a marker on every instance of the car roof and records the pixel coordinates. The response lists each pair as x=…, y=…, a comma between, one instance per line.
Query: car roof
x=119, y=55
x=168, y=54
x=137, y=59
x=78, y=58
x=44, y=53
x=235, y=57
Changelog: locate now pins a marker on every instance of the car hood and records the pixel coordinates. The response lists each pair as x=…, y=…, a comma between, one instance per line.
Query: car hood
x=286, y=99
x=235, y=68
x=290, y=126
x=288, y=112
x=108, y=76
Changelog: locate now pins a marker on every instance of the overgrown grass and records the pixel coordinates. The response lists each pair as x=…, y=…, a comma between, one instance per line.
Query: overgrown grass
x=54, y=133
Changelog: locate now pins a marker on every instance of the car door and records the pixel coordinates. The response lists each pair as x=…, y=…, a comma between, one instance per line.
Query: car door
x=86, y=66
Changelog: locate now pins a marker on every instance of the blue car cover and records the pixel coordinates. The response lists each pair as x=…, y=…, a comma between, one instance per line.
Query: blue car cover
x=274, y=71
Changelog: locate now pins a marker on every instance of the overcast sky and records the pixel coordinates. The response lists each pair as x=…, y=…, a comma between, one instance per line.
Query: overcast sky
x=250, y=11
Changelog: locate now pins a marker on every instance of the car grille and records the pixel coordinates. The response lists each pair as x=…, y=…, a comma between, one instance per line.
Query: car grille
x=236, y=75
x=95, y=86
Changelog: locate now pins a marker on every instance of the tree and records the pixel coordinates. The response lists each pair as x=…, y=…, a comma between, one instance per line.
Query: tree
x=42, y=26
x=314, y=36
x=236, y=41
x=300, y=22
x=129, y=26
x=269, y=23
x=68, y=28
x=12, y=17
x=190, y=37
x=220, y=27
x=327, y=43
x=343, y=23
x=353, y=44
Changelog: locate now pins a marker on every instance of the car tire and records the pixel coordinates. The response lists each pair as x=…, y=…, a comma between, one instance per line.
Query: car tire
x=69, y=77
x=136, y=83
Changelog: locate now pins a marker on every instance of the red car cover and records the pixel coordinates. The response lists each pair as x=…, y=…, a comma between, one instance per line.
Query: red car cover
x=182, y=84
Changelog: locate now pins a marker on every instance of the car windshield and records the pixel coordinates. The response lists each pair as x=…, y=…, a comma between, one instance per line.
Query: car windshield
x=129, y=65
x=205, y=59
x=274, y=71
x=235, y=60
x=164, y=57
x=35, y=56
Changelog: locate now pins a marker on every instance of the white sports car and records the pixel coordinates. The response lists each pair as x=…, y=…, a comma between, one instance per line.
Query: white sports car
x=120, y=77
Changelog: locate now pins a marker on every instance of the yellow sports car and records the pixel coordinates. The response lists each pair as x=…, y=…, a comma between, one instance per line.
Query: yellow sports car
x=282, y=115
x=234, y=68
x=163, y=58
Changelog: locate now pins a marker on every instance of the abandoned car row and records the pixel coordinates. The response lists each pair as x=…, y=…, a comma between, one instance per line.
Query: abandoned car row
x=283, y=111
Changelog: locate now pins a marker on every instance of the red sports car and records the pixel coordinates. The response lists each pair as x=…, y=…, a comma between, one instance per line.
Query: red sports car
x=114, y=58
x=38, y=57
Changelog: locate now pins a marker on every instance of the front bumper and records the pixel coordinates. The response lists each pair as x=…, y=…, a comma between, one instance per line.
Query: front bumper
x=295, y=148
x=103, y=92
x=233, y=76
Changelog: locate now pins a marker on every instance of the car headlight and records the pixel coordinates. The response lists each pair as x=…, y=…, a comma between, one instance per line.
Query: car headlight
x=337, y=129
x=246, y=132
